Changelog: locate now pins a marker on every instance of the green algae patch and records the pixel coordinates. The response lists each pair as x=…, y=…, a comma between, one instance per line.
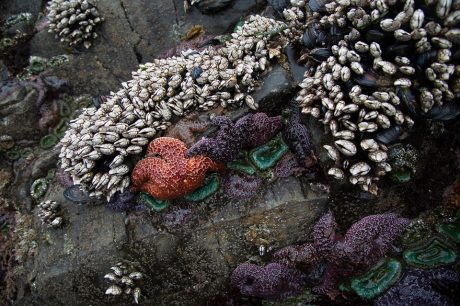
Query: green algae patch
x=210, y=186
x=402, y=176
x=378, y=279
x=151, y=202
x=450, y=230
x=266, y=156
x=431, y=254
x=241, y=164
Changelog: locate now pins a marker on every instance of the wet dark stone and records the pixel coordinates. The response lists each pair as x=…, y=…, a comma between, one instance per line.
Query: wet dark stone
x=297, y=71
x=77, y=194
x=277, y=88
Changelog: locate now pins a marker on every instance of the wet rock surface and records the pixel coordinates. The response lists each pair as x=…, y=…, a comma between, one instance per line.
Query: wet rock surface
x=192, y=259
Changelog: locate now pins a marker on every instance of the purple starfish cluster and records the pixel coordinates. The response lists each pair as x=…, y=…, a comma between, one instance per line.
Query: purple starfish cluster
x=272, y=282
x=421, y=287
x=247, y=132
x=363, y=245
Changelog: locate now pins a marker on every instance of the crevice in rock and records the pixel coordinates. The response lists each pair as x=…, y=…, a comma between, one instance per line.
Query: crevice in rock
x=135, y=50
x=176, y=13
x=118, y=78
x=219, y=248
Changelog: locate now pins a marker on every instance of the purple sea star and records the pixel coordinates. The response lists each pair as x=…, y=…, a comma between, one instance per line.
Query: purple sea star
x=272, y=282
x=248, y=132
x=287, y=166
x=421, y=287
x=363, y=245
x=240, y=186
x=296, y=136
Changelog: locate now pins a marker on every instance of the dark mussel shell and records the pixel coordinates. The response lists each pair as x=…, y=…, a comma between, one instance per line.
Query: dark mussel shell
x=445, y=112
x=425, y=59
x=278, y=5
x=310, y=37
x=77, y=194
x=409, y=101
x=212, y=6
x=196, y=72
x=374, y=35
x=320, y=54
x=456, y=55
x=335, y=35
x=389, y=135
x=399, y=50
x=317, y=5
x=210, y=42
x=368, y=79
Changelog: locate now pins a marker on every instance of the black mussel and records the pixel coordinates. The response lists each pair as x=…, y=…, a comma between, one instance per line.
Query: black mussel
x=374, y=35
x=320, y=54
x=447, y=111
x=77, y=194
x=212, y=6
x=455, y=55
x=196, y=72
x=399, y=50
x=317, y=5
x=389, y=135
x=97, y=101
x=425, y=59
x=313, y=37
x=309, y=37
x=297, y=70
x=349, y=85
x=367, y=79
x=278, y=5
x=210, y=42
x=408, y=100
x=335, y=35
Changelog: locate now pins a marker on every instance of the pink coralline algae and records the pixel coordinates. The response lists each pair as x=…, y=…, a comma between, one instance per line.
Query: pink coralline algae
x=272, y=282
x=248, y=132
x=296, y=136
x=363, y=245
x=423, y=287
x=240, y=186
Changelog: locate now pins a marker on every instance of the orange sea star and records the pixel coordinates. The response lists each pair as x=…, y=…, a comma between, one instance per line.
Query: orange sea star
x=166, y=173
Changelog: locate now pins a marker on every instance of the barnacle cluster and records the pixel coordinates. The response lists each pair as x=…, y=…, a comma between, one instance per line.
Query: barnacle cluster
x=74, y=21
x=381, y=65
x=100, y=140
x=124, y=280
x=48, y=213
